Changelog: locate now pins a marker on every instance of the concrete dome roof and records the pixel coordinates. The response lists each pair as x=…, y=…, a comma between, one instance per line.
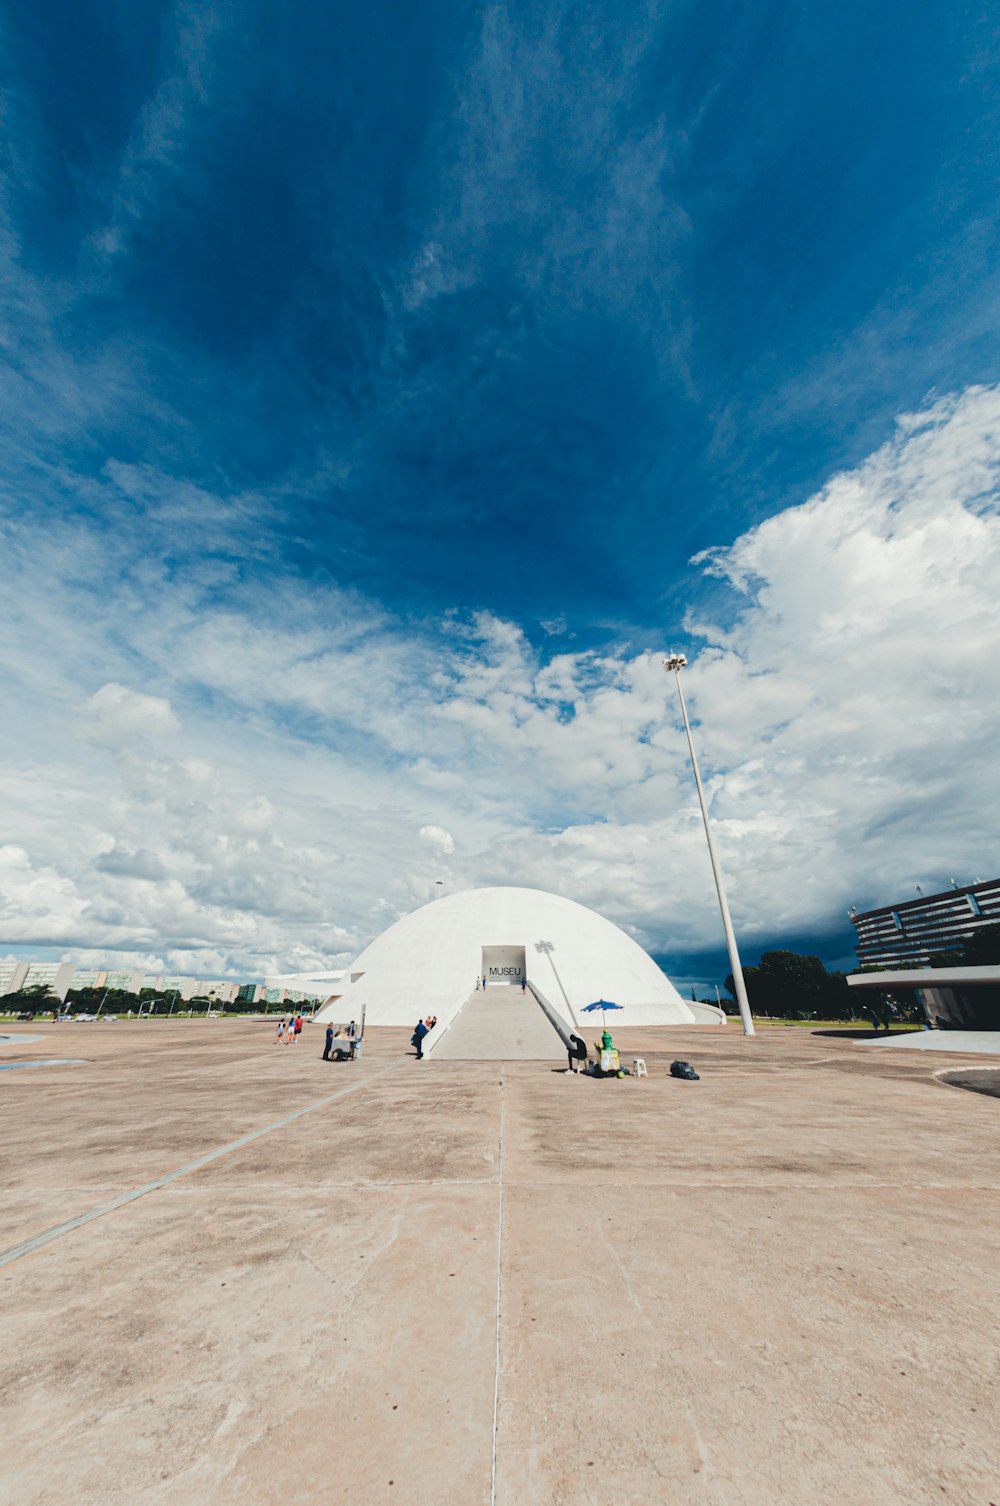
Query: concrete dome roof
x=428, y=962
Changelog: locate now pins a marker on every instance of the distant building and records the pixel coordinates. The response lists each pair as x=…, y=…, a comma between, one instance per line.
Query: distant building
x=913, y=932
x=60, y=977
x=54, y=976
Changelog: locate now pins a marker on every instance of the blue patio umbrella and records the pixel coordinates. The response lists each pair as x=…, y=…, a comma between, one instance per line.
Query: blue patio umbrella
x=602, y=1005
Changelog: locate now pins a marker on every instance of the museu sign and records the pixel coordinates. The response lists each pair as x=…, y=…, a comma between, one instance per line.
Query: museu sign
x=503, y=964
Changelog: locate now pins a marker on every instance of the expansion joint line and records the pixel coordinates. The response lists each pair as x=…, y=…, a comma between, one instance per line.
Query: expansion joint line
x=38, y=1241
x=496, y=1371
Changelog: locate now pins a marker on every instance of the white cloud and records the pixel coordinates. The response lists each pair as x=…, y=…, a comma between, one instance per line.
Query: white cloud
x=851, y=706
x=436, y=836
x=37, y=903
x=330, y=764
x=117, y=713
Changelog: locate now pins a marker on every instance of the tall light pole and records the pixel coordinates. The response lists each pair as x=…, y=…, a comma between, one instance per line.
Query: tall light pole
x=677, y=662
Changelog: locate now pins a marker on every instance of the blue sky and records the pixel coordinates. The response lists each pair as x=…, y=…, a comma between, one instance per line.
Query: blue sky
x=372, y=382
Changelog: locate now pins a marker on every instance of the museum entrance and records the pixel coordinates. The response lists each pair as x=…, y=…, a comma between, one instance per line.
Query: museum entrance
x=503, y=964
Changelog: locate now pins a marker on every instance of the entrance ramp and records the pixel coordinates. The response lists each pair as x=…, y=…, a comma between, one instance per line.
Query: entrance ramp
x=498, y=1024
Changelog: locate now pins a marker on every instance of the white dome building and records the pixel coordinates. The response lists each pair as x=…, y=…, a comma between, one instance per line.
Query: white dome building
x=428, y=963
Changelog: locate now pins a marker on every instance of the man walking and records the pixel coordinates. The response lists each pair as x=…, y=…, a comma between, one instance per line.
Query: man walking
x=424, y=1028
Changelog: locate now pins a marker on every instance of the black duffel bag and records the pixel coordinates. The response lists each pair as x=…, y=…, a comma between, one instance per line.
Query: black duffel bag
x=685, y=1070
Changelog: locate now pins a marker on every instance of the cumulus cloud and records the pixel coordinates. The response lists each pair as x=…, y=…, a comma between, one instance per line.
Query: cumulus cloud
x=850, y=704
x=38, y=904
x=332, y=763
x=117, y=713
x=436, y=836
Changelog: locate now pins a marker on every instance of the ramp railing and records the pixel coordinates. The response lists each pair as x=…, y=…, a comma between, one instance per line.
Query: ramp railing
x=553, y=1016
x=429, y=1049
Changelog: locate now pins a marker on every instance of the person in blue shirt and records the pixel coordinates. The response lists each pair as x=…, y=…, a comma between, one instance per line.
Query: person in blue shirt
x=423, y=1029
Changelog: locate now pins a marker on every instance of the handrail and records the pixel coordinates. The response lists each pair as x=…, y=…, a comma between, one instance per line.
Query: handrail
x=555, y=1019
x=437, y=1038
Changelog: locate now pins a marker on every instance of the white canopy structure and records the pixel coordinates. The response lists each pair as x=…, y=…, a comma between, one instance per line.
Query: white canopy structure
x=428, y=963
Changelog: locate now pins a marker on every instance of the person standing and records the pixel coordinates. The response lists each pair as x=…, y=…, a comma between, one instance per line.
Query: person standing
x=424, y=1028
x=329, y=1043
x=484, y=980
x=297, y=1029
x=524, y=985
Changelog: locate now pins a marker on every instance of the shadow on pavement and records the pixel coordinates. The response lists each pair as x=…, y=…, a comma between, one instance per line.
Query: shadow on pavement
x=861, y=1033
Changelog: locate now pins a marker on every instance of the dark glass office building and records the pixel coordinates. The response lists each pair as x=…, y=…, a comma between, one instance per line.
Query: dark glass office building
x=916, y=931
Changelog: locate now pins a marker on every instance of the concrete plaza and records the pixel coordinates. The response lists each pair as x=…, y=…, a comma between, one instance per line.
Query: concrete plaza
x=773, y=1287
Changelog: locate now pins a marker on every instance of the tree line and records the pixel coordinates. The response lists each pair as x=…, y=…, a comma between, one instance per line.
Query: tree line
x=789, y=986
x=38, y=999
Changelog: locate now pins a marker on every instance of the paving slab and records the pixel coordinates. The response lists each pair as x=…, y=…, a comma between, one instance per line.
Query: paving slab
x=668, y=1337
x=977, y=1042
x=269, y=1349
x=775, y=1285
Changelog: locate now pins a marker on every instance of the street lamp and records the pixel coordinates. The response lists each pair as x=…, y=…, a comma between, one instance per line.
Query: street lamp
x=675, y=663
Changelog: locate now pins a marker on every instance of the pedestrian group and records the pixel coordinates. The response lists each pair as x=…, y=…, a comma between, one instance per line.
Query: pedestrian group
x=423, y=1028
